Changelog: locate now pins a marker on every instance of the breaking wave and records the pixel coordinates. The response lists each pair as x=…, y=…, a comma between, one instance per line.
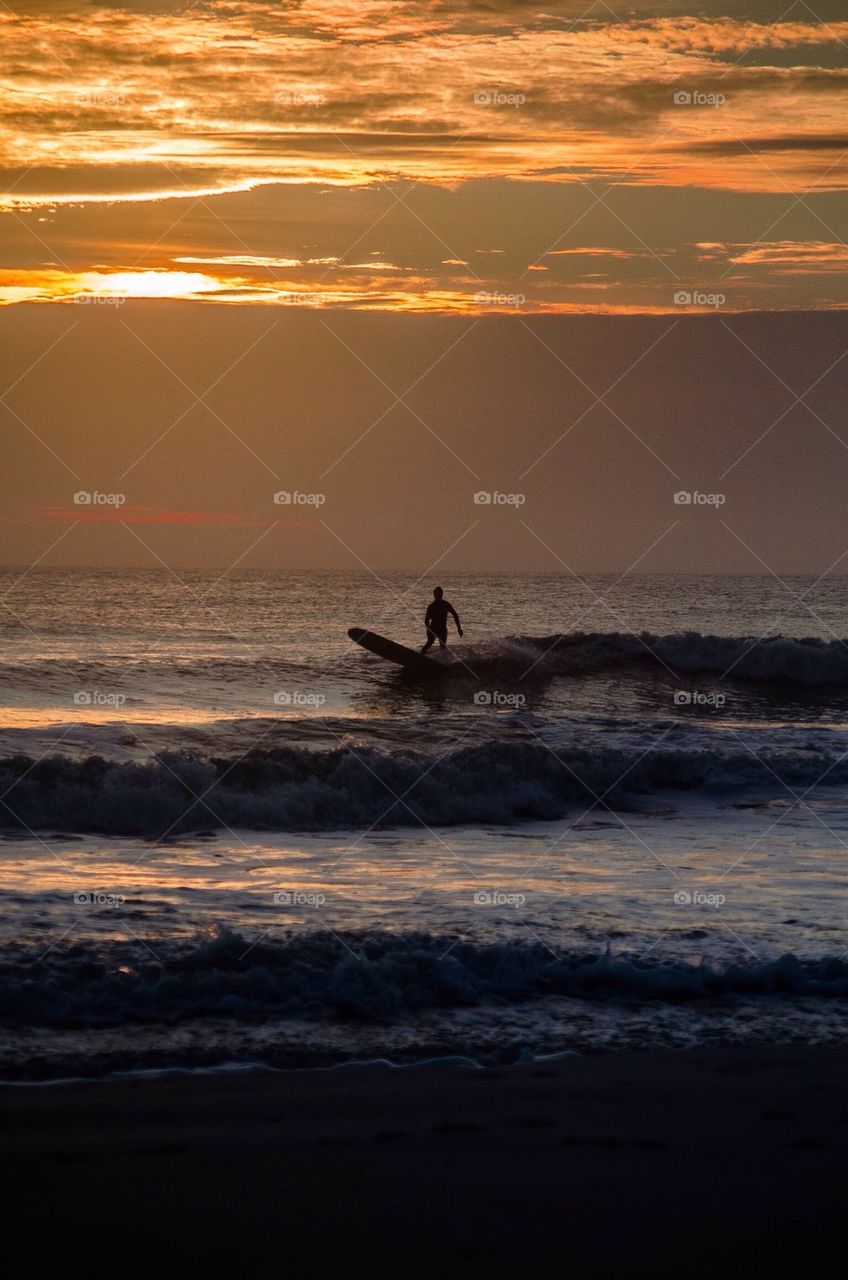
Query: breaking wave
x=770, y=659
x=360, y=976
x=778, y=659
x=299, y=789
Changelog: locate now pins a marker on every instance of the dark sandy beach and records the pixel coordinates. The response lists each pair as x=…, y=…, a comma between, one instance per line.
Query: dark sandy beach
x=678, y=1161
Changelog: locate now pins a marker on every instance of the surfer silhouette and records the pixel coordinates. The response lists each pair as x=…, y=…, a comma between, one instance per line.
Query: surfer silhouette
x=436, y=620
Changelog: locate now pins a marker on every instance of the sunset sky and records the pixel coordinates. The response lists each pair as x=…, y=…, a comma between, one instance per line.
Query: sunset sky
x=572, y=229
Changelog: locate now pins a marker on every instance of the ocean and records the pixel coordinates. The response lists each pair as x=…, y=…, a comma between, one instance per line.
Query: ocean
x=615, y=817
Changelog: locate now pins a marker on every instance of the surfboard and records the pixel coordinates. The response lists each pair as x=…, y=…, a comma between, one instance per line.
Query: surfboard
x=393, y=652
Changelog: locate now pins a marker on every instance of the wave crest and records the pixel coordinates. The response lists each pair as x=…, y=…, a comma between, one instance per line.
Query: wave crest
x=298, y=789
x=373, y=975
x=775, y=659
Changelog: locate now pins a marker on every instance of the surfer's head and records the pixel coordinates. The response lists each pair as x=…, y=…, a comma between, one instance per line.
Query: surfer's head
x=438, y=592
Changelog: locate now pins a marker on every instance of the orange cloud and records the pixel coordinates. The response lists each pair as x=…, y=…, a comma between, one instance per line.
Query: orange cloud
x=592, y=253
x=241, y=110
x=812, y=254
x=55, y=285
x=227, y=96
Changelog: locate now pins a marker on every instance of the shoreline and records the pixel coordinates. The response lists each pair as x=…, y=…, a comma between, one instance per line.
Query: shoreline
x=665, y=1157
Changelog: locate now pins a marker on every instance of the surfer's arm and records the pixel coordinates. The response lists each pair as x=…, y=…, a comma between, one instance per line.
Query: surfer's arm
x=456, y=618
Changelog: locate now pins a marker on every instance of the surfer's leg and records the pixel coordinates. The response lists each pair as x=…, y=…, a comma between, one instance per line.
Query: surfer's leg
x=431, y=635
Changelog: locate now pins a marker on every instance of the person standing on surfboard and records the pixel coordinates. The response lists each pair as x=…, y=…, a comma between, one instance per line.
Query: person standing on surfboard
x=436, y=620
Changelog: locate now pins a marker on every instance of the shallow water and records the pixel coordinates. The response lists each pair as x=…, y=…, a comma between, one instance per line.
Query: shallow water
x=580, y=858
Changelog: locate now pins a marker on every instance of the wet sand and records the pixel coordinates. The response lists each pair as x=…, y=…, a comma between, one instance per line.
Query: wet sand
x=685, y=1162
